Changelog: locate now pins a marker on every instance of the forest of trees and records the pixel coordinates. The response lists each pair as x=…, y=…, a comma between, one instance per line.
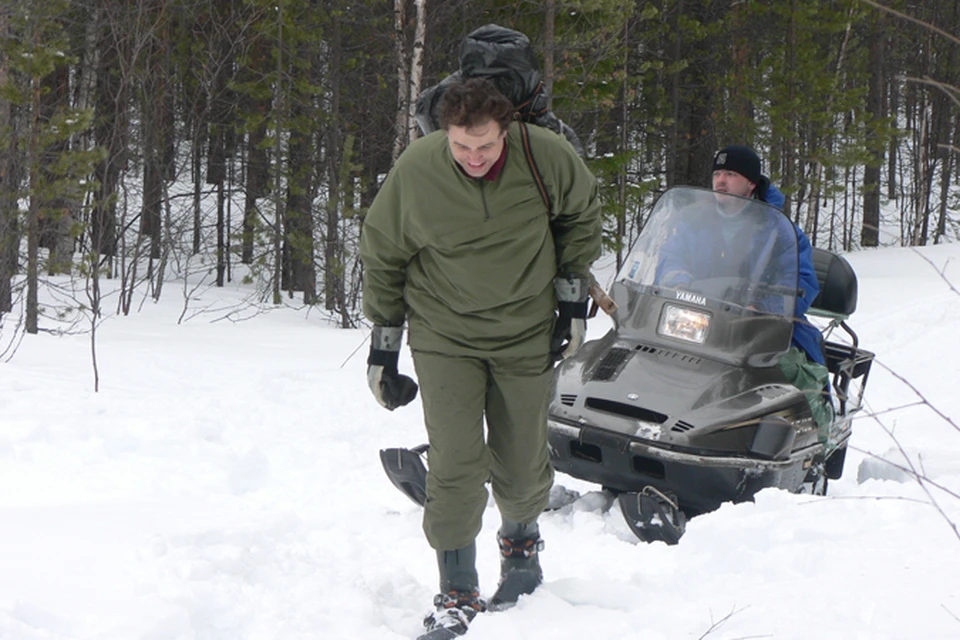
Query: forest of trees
x=146, y=141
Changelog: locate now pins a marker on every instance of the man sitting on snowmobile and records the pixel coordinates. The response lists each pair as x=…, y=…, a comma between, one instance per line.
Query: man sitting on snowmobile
x=737, y=172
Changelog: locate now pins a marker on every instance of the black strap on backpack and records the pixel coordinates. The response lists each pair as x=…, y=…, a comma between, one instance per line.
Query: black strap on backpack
x=600, y=298
x=537, y=178
x=526, y=110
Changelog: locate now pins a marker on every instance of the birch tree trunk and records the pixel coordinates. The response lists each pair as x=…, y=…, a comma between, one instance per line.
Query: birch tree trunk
x=403, y=82
x=279, y=108
x=416, y=69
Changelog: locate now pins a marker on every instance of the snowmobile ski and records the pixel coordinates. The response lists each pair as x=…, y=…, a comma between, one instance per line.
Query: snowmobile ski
x=406, y=471
x=653, y=515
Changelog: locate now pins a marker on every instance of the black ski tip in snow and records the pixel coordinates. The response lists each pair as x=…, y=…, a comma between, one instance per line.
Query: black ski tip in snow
x=653, y=515
x=405, y=469
x=443, y=633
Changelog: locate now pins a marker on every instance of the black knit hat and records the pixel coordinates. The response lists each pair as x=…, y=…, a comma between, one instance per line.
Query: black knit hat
x=741, y=159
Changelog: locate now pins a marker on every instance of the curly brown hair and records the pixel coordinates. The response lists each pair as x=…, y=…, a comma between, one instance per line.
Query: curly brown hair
x=473, y=102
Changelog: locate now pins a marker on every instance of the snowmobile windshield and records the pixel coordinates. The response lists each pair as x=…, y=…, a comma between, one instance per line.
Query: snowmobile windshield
x=712, y=246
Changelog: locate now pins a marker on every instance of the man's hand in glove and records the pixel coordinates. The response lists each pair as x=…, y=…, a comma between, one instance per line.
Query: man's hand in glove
x=570, y=329
x=391, y=389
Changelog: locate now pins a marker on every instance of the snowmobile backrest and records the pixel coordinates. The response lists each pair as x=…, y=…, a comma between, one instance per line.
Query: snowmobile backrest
x=838, y=283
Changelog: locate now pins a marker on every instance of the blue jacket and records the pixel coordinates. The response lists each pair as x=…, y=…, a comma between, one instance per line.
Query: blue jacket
x=806, y=337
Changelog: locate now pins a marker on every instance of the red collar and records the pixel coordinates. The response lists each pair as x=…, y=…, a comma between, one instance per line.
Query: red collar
x=498, y=165
x=495, y=169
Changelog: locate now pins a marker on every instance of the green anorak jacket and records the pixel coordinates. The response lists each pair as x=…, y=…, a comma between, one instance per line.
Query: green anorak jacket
x=469, y=262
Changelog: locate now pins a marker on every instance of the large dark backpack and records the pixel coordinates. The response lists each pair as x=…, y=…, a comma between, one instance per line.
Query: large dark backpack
x=507, y=58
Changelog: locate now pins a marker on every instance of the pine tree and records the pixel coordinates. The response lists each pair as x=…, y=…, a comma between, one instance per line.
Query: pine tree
x=55, y=165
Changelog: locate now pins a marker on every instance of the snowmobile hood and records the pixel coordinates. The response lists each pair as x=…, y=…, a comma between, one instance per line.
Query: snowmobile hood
x=661, y=394
x=706, y=302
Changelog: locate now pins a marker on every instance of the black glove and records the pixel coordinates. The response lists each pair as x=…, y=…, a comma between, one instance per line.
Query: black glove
x=391, y=389
x=570, y=329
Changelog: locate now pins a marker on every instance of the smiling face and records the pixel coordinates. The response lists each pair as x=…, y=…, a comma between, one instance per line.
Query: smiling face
x=476, y=148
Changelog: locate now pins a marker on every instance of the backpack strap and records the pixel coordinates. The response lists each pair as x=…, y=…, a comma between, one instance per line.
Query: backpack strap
x=537, y=178
x=525, y=110
x=600, y=297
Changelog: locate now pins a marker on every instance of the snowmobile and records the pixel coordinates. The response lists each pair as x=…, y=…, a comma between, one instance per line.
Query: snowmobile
x=682, y=405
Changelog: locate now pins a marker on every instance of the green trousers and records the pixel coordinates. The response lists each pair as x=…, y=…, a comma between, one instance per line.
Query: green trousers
x=458, y=394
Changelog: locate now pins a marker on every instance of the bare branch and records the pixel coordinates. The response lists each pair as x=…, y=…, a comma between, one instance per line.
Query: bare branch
x=908, y=470
x=952, y=614
x=876, y=498
x=354, y=352
x=942, y=272
x=873, y=414
x=918, y=475
x=948, y=89
x=922, y=480
x=925, y=25
x=899, y=377
x=719, y=623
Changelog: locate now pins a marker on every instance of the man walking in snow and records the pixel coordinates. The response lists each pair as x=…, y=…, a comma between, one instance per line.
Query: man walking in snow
x=458, y=243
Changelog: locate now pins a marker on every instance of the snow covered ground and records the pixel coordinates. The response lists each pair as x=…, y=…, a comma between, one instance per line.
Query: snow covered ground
x=224, y=484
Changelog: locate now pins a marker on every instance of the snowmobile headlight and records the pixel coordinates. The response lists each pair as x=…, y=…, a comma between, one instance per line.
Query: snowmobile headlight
x=684, y=324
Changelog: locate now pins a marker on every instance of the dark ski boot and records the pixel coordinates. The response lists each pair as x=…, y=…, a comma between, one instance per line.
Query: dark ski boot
x=458, y=602
x=520, y=570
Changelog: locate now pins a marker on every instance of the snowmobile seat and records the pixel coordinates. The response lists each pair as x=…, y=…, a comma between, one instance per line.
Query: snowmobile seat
x=838, y=285
x=837, y=301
